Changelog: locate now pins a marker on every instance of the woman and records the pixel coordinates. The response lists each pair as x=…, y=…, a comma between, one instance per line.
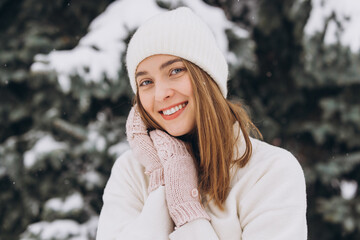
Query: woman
x=193, y=171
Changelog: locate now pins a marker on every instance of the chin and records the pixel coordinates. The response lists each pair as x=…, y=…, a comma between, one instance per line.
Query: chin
x=177, y=133
x=180, y=132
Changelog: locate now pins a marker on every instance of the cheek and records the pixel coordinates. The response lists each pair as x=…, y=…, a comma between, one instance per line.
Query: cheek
x=188, y=88
x=147, y=103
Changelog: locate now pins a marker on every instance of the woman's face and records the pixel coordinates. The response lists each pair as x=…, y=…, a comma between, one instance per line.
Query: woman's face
x=166, y=93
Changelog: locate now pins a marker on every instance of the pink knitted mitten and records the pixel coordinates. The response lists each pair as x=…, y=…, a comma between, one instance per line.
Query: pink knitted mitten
x=143, y=149
x=181, y=183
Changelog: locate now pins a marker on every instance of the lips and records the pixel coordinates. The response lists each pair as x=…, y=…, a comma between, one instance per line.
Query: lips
x=173, y=111
x=173, y=107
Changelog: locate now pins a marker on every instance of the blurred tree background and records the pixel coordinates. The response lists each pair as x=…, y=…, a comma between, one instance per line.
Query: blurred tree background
x=58, y=142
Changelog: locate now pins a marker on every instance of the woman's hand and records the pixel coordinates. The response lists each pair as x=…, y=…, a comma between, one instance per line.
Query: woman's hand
x=181, y=182
x=143, y=148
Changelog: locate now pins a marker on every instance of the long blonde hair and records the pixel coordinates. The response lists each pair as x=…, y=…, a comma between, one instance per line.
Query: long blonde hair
x=212, y=142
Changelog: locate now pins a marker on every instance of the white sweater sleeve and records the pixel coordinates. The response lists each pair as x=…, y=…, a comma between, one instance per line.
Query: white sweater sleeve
x=127, y=212
x=195, y=230
x=275, y=205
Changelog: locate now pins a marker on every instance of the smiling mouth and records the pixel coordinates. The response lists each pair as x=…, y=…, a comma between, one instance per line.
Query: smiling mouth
x=173, y=110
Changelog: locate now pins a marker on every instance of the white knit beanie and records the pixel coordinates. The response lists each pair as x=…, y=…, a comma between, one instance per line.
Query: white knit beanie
x=180, y=33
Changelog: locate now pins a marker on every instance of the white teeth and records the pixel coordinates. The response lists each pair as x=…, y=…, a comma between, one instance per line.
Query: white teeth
x=174, y=109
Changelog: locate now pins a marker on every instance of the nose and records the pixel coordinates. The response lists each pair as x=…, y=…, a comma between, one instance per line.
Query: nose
x=163, y=91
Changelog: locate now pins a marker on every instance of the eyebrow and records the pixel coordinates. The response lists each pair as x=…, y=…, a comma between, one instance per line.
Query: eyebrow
x=164, y=65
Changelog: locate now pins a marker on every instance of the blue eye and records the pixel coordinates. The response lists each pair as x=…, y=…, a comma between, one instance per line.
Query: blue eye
x=176, y=70
x=144, y=83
